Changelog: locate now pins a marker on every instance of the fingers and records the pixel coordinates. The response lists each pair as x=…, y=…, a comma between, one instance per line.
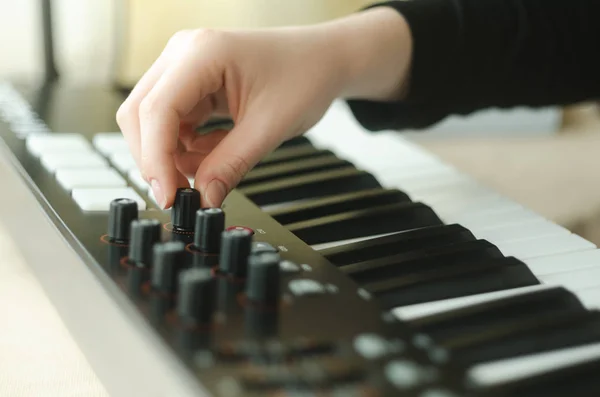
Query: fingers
x=189, y=79
x=128, y=113
x=239, y=151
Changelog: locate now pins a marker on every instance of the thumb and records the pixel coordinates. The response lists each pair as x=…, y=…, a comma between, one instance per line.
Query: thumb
x=243, y=147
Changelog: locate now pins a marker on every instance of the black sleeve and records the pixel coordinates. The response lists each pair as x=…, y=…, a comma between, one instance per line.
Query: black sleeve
x=475, y=54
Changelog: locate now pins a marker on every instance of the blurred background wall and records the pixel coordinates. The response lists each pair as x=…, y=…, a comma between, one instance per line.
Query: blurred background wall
x=100, y=40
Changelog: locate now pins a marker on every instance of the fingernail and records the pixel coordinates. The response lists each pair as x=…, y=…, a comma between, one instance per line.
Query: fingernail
x=215, y=193
x=158, y=193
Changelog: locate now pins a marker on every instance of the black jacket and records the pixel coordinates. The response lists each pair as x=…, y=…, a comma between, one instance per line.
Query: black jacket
x=476, y=54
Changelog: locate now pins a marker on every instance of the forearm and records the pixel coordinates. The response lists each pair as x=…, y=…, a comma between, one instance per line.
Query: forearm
x=373, y=50
x=474, y=54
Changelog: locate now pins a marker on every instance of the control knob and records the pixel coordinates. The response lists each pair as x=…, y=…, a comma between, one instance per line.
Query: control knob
x=196, y=298
x=235, y=249
x=262, y=286
x=168, y=261
x=122, y=212
x=144, y=234
x=187, y=202
x=210, y=223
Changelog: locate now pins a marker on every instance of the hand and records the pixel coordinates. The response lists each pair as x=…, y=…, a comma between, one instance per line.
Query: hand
x=274, y=83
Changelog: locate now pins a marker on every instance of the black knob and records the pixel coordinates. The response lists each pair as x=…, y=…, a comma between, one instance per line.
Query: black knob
x=168, y=261
x=235, y=249
x=196, y=299
x=210, y=223
x=183, y=213
x=263, y=278
x=122, y=212
x=144, y=234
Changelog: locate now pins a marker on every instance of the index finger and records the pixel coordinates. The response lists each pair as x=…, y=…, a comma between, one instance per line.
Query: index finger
x=190, y=78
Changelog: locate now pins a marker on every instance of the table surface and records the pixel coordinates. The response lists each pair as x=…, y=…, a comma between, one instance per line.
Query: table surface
x=38, y=357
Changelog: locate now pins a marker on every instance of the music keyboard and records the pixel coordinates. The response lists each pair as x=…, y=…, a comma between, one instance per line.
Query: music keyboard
x=435, y=284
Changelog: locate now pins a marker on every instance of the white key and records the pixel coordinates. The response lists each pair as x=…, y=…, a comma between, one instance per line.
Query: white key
x=577, y=271
x=502, y=371
x=509, y=233
x=590, y=297
x=489, y=220
x=545, y=246
x=98, y=199
x=565, y=262
x=419, y=180
x=123, y=161
x=574, y=280
x=70, y=179
x=419, y=310
x=108, y=143
x=135, y=176
x=70, y=160
x=458, y=190
x=39, y=144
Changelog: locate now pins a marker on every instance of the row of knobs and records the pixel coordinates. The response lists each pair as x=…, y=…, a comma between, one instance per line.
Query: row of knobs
x=194, y=287
x=186, y=216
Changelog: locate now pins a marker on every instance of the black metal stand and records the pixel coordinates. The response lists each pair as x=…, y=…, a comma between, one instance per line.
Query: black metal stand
x=50, y=71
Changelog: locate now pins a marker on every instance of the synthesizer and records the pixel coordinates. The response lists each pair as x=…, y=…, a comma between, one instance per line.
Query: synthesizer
x=346, y=263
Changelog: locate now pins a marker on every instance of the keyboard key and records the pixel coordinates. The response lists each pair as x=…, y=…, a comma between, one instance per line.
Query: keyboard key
x=371, y=221
x=338, y=204
x=108, y=143
x=428, y=259
x=533, y=334
x=462, y=278
x=565, y=262
x=292, y=153
x=123, y=161
x=543, y=246
x=479, y=318
x=70, y=179
x=511, y=233
x=294, y=168
x=72, y=160
x=40, y=144
x=411, y=312
x=396, y=243
x=321, y=184
x=135, y=176
x=564, y=372
x=98, y=199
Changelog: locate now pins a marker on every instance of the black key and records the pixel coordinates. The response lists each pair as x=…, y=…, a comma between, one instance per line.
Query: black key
x=292, y=153
x=460, y=279
x=397, y=243
x=293, y=168
x=336, y=204
x=296, y=141
x=320, y=184
x=478, y=318
x=573, y=380
x=432, y=258
x=535, y=334
x=368, y=222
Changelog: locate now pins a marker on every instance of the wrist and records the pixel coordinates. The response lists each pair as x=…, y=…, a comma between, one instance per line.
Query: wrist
x=373, y=52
